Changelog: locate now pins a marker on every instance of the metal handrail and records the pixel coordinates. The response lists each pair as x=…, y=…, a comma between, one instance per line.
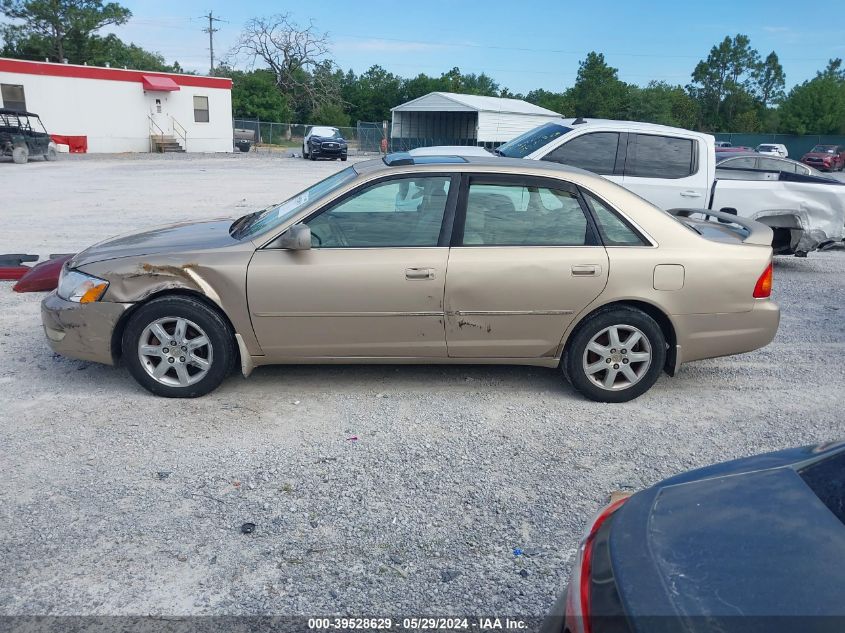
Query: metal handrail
x=183, y=135
x=153, y=124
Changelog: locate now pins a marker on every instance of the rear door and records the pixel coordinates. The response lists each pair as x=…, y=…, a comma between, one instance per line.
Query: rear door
x=525, y=261
x=666, y=170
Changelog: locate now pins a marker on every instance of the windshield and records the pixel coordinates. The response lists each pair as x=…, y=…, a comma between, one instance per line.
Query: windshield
x=824, y=149
x=532, y=140
x=276, y=215
x=325, y=132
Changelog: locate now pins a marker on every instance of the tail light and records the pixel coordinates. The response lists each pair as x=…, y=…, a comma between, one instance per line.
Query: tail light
x=578, y=593
x=763, y=288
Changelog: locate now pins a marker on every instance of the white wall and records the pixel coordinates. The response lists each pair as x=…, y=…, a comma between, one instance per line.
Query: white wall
x=500, y=127
x=114, y=114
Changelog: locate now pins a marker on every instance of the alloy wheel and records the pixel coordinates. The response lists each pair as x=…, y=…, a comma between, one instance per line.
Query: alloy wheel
x=175, y=351
x=617, y=357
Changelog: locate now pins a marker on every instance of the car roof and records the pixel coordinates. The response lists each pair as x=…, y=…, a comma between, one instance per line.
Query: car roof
x=581, y=122
x=17, y=112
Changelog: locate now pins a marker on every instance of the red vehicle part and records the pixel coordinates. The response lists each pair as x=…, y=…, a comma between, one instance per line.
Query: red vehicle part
x=577, y=616
x=10, y=273
x=42, y=277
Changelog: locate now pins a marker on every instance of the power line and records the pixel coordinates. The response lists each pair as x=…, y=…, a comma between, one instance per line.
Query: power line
x=211, y=31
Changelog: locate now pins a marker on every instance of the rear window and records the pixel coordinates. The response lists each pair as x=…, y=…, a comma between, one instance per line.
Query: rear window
x=595, y=152
x=827, y=480
x=652, y=156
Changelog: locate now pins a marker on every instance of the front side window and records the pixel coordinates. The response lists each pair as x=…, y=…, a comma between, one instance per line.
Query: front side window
x=652, y=156
x=594, y=152
x=395, y=213
x=201, y=109
x=614, y=230
x=532, y=140
x=517, y=215
x=13, y=97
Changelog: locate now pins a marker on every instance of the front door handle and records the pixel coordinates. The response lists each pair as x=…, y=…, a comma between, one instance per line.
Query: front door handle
x=419, y=273
x=586, y=270
x=690, y=194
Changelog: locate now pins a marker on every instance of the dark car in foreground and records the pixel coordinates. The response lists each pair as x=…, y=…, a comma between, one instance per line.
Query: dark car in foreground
x=755, y=544
x=826, y=157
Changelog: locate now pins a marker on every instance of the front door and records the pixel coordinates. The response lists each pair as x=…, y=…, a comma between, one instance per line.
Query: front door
x=372, y=283
x=157, y=102
x=525, y=262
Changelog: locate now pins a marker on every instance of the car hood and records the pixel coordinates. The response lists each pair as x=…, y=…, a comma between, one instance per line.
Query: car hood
x=745, y=538
x=819, y=155
x=173, y=238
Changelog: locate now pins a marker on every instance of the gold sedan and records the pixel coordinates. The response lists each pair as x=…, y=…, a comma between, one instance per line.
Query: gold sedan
x=425, y=260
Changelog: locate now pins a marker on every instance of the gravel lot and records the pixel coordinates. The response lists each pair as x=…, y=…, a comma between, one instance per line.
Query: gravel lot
x=116, y=502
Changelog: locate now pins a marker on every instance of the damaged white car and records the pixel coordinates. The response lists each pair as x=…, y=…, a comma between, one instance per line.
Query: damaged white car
x=676, y=168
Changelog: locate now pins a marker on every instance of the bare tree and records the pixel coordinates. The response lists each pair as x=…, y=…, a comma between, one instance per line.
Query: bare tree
x=293, y=54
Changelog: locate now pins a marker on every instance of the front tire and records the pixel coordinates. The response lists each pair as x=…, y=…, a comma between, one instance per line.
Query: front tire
x=51, y=154
x=616, y=355
x=20, y=155
x=304, y=152
x=178, y=347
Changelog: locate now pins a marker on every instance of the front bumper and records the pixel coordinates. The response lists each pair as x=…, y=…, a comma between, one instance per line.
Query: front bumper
x=322, y=150
x=81, y=330
x=712, y=335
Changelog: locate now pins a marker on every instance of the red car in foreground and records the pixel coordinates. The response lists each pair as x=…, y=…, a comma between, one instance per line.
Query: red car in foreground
x=825, y=157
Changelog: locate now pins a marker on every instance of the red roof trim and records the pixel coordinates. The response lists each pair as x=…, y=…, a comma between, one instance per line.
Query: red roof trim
x=107, y=74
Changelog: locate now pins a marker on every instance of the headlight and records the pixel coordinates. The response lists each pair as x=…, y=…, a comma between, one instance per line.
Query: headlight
x=79, y=287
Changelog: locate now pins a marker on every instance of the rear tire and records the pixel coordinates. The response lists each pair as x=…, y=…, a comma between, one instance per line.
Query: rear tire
x=616, y=355
x=201, y=358
x=20, y=155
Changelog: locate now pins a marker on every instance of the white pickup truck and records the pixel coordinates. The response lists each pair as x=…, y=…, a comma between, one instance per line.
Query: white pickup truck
x=675, y=168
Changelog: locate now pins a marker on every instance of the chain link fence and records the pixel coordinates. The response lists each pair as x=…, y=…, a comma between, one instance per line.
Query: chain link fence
x=364, y=138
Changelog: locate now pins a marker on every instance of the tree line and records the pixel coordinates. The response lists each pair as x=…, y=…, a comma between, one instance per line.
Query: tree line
x=291, y=77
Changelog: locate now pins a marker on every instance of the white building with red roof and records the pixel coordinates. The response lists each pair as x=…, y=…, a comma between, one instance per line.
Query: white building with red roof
x=107, y=110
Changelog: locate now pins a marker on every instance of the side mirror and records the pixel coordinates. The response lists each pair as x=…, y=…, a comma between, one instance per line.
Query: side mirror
x=296, y=238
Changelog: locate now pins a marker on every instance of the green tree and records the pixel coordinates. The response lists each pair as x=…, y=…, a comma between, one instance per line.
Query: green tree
x=255, y=95
x=662, y=103
x=113, y=51
x=598, y=92
x=370, y=96
x=59, y=29
x=717, y=82
x=816, y=106
x=770, y=80
x=555, y=101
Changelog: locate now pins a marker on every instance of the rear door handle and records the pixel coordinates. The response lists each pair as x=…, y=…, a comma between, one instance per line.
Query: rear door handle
x=419, y=273
x=690, y=194
x=586, y=270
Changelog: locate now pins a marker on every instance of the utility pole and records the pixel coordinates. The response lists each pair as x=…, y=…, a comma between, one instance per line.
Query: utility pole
x=211, y=31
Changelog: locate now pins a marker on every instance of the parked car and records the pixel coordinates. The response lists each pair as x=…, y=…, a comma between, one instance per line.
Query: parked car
x=23, y=136
x=671, y=167
x=773, y=149
x=753, y=160
x=354, y=269
x=825, y=157
x=324, y=142
x=753, y=544
x=723, y=144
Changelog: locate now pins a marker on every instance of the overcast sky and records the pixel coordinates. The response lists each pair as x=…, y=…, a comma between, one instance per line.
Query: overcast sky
x=523, y=45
